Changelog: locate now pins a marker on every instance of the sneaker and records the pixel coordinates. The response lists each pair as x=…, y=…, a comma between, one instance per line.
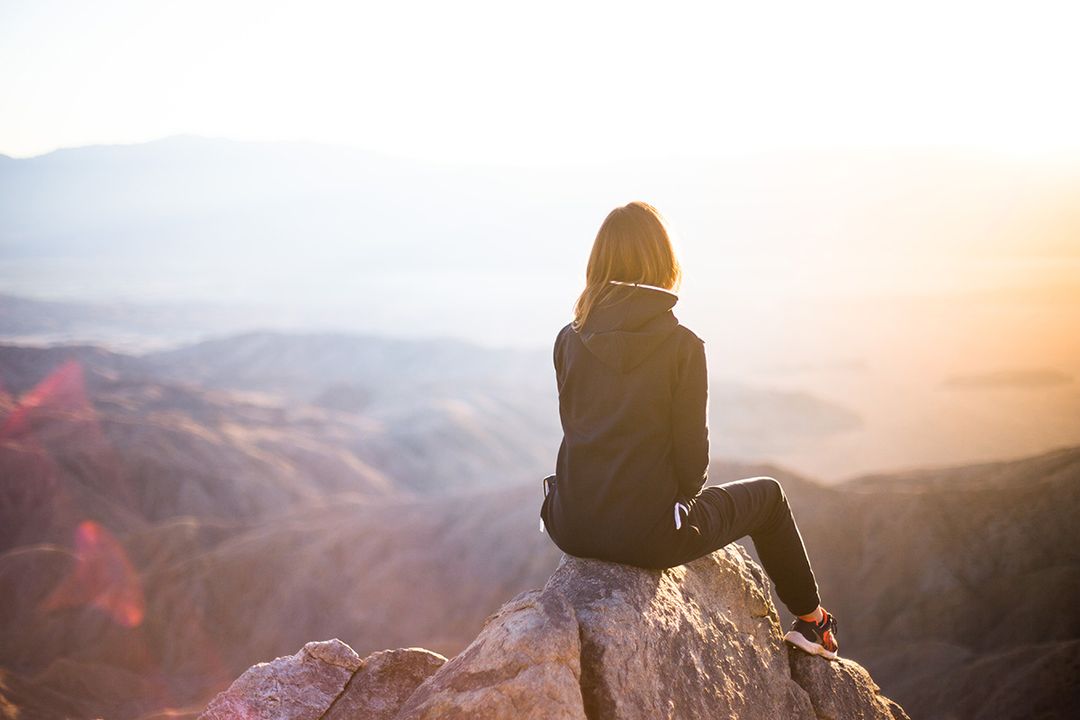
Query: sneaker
x=815, y=638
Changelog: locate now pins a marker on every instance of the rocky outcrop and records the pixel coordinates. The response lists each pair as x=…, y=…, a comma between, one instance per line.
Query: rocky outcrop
x=599, y=640
x=326, y=681
x=383, y=682
x=840, y=690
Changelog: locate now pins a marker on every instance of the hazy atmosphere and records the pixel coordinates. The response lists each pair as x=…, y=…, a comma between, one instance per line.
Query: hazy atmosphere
x=270, y=270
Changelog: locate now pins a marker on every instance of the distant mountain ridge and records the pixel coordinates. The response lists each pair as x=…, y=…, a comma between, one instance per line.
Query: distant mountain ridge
x=499, y=406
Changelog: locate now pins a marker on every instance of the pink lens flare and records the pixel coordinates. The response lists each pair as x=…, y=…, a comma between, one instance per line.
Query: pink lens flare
x=103, y=577
x=63, y=389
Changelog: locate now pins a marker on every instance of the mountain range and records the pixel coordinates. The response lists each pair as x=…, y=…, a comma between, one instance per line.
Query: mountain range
x=171, y=519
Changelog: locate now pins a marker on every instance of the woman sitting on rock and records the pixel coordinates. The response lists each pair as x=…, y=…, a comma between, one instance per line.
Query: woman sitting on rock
x=630, y=476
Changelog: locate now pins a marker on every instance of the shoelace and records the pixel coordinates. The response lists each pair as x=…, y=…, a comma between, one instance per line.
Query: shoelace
x=827, y=628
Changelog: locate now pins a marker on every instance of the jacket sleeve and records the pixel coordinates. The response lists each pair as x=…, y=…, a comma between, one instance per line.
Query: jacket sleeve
x=690, y=422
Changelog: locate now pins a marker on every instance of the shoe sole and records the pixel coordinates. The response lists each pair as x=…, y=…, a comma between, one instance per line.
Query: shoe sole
x=797, y=639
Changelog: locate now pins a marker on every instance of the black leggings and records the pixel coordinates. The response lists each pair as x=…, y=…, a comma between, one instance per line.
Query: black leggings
x=758, y=507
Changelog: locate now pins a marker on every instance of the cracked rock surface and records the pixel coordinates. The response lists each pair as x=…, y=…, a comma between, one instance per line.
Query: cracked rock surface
x=600, y=640
x=325, y=680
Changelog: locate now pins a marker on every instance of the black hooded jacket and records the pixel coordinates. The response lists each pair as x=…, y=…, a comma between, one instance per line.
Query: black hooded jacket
x=633, y=397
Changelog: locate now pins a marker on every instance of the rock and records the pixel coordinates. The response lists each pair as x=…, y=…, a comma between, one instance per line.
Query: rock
x=599, y=641
x=325, y=680
x=524, y=664
x=383, y=682
x=842, y=690
x=699, y=640
x=294, y=687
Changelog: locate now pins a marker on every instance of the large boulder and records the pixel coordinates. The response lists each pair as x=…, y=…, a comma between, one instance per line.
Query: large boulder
x=600, y=640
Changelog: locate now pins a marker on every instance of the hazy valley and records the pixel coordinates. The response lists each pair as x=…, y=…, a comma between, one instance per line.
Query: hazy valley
x=169, y=521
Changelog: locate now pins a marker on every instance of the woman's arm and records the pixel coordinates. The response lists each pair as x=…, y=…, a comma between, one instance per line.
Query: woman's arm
x=690, y=422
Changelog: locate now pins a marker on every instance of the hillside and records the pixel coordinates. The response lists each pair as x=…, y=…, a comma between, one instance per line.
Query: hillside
x=159, y=537
x=950, y=580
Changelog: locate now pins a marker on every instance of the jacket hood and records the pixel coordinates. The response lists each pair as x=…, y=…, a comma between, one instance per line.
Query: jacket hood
x=634, y=322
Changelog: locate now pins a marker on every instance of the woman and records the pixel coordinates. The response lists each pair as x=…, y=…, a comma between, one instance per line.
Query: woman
x=630, y=476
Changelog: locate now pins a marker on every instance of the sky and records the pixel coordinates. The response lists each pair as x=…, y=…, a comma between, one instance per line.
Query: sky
x=867, y=197
x=543, y=83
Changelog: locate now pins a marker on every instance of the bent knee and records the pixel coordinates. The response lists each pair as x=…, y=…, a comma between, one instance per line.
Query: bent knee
x=774, y=489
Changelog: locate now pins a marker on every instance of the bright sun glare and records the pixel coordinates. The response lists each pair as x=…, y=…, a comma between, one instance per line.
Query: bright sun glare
x=557, y=82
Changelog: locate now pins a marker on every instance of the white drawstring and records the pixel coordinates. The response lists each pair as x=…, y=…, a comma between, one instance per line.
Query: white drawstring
x=680, y=506
x=638, y=284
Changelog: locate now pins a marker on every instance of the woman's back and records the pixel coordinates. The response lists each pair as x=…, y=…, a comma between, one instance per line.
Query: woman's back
x=632, y=400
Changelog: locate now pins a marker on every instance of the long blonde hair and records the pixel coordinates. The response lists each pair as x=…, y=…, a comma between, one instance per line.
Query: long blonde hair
x=632, y=246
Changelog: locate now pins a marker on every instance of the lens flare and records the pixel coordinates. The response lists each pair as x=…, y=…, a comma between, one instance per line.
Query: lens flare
x=103, y=577
x=62, y=389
